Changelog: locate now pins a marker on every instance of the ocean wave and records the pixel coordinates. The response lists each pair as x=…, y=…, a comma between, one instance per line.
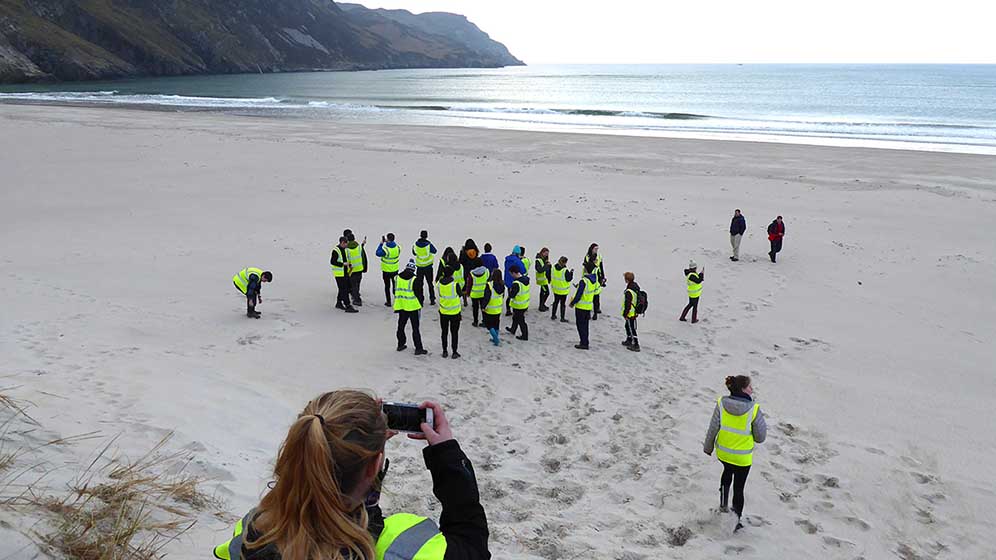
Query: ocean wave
x=114, y=97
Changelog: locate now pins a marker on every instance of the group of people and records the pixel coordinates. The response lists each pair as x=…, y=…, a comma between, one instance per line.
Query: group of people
x=738, y=225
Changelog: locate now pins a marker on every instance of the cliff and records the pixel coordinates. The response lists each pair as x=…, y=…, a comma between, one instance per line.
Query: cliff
x=44, y=40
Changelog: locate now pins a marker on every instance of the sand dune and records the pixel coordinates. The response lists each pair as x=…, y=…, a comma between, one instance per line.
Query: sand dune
x=870, y=342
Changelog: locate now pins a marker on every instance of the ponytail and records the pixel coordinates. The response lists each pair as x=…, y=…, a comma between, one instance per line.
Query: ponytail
x=308, y=513
x=736, y=384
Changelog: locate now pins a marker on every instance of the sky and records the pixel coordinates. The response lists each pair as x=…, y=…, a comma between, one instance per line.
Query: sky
x=698, y=31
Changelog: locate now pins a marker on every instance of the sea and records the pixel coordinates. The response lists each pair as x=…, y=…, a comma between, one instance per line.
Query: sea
x=923, y=107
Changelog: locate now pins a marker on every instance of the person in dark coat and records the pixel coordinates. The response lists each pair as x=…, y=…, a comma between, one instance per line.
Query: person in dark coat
x=694, y=279
x=518, y=315
x=561, y=298
x=339, y=260
x=489, y=260
x=470, y=258
x=630, y=297
x=776, y=231
x=737, y=228
x=448, y=263
x=593, y=265
x=513, y=260
x=423, y=276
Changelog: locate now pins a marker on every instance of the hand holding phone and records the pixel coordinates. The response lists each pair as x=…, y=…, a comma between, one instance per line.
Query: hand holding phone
x=438, y=432
x=407, y=417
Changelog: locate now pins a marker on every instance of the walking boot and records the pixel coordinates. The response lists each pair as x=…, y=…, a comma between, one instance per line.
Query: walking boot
x=635, y=347
x=421, y=352
x=456, y=354
x=352, y=309
x=446, y=354
x=628, y=341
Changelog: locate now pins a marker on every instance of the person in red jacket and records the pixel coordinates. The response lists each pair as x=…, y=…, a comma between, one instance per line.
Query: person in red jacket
x=776, y=231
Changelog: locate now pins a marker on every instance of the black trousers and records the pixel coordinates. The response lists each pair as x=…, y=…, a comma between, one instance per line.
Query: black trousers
x=776, y=247
x=631, y=330
x=738, y=476
x=478, y=307
x=450, y=323
x=403, y=318
x=354, y=287
x=508, y=302
x=597, y=309
x=423, y=277
x=492, y=321
x=390, y=279
x=342, y=291
x=519, y=320
x=544, y=295
x=582, y=317
x=562, y=302
x=693, y=305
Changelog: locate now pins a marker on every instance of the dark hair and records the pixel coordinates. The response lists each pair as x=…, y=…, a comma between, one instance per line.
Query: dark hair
x=343, y=239
x=347, y=232
x=592, y=246
x=778, y=218
x=268, y=276
x=351, y=237
x=737, y=384
x=496, y=275
x=424, y=234
x=390, y=237
x=737, y=210
x=487, y=247
x=562, y=260
x=514, y=269
x=448, y=253
x=522, y=250
x=470, y=245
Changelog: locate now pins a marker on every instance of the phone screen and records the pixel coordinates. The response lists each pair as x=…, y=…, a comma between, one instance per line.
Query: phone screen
x=404, y=417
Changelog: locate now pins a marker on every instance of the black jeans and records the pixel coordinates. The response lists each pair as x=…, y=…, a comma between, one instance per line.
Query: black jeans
x=354, y=287
x=544, y=295
x=519, y=320
x=738, y=476
x=597, y=306
x=582, y=316
x=390, y=279
x=562, y=302
x=631, y=330
x=776, y=247
x=478, y=307
x=403, y=318
x=423, y=277
x=693, y=305
x=450, y=323
x=342, y=291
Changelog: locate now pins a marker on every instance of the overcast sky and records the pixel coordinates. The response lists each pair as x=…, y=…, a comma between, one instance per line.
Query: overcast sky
x=648, y=31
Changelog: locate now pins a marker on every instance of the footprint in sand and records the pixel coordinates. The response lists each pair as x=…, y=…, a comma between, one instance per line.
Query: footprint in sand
x=807, y=526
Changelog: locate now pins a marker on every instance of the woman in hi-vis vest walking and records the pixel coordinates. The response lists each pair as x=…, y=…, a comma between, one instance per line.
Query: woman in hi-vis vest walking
x=737, y=424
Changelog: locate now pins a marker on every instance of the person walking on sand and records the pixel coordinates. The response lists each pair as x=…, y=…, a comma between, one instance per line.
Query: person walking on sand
x=390, y=255
x=543, y=276
x=249, y=281
x=512, y=261
x=630, y=298
x=518, y=295
x=583, y=304
x=408, y=306
x=560, y=282
x=356, y=254
x=449, y=310
x=340, y=271
x=694, y=280
x=593, y=265
x=489, y=260
x=476, y=289
x=737, y=228
x=493, y=291
x=776, y=232
x=470, y=258
x=424, y=252
x=737, y=424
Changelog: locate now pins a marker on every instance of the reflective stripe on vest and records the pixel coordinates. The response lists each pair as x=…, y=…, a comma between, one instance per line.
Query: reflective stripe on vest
x=560, y=285
x=540, y=276
x=735, y=440
x=232, y=550
x=478, y=283
x=355, y=256
x=410, y=537
x=339, y=271
x=404, y=296
x=591, y=289
x=423, y=255
x=631, y=312
x=459, y=277
x=389, y=262
x=449, y=301
x=494, y=304
x=241, y=279
x=521, y=299
x=526, y=263
x=694, y=289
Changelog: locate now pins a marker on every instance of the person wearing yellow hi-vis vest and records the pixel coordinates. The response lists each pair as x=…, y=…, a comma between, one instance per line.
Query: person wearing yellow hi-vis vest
x=518, y=296
x=313, y=511
x=356, y=255
x=340, y=272
x=543, y=277
x=737, y=424
x=560, y=282
x=493, y=297
x=693, y=279
x=476, y=288
x=584, y=303
x=409, y=308
x=390, y=255
x=249, y=281
x=450, y=306
x=424, y=252
x=631, y=299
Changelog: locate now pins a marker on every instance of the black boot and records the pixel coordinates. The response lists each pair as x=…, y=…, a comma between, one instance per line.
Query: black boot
x=635, y=347
x=628, y=341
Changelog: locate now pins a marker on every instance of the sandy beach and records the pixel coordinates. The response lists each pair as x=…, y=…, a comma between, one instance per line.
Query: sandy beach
x=870, y=342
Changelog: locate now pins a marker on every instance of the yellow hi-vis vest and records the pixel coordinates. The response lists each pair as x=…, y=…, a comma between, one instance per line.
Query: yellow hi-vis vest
x=423, y=255
x=478, y=283
x=694, y=289
x=591, y=289
x=449, y=301
x=631, y=312
x=404, y=296
x=495, y=304
x=389, y=262
x=355, y=258
x=459, y=278
x=404, y=537
x=241, y=279
x=735, y=441
x=339, y=271
x=541, y=276
x=560, y=285
x=526, y=263
x=521, y=300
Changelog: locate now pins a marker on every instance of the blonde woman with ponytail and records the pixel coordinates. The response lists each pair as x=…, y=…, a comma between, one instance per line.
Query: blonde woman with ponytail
x=323, y=502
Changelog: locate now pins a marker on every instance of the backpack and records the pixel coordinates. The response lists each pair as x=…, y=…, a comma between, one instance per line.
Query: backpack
x=641, y=302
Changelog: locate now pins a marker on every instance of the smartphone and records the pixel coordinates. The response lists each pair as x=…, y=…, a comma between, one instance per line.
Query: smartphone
x=406, y=417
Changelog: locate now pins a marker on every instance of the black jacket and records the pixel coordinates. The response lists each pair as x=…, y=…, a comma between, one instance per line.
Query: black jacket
x=568, y=275
x=599, y=271
x=738, y=225
x=514, y=289
x=628, y=297
x=338, y=257
x=463, y=521
x=545, y=270
x=253, y=286
x=578, y=294
x=697, y=278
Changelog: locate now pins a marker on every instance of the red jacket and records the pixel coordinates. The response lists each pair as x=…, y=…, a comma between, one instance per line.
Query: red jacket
x=776, y=231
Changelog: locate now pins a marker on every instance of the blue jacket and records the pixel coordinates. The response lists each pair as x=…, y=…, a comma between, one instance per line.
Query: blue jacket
x=578, y=294
x=490, y=261
x=510, y=261
x=380, y=248
x=738, y=225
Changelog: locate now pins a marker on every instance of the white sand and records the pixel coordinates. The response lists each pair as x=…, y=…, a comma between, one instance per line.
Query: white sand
x=871, y=342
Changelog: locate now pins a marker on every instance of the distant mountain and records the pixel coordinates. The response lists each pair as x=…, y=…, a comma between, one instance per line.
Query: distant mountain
x=46, y=40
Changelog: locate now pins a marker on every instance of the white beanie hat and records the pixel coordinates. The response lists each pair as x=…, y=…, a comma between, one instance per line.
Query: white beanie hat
x=691, y=264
